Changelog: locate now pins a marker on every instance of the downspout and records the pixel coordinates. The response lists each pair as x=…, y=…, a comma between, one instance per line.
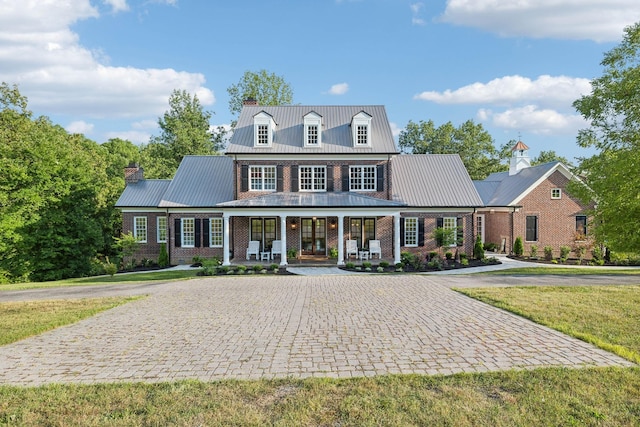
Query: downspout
x=388, y=176
x=513, y=210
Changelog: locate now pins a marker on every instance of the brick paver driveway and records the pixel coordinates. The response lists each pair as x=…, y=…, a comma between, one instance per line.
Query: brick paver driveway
x=265, y=327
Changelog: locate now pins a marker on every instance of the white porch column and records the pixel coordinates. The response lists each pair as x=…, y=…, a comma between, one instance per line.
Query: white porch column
x=340, y=239
x=225, y=240
x=283, y=239
x=396, y=238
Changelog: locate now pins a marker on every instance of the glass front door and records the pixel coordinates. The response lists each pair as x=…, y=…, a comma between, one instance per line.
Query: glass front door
x=314, y=236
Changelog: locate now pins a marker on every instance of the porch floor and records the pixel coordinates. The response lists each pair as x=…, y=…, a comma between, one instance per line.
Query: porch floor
x=307, y=261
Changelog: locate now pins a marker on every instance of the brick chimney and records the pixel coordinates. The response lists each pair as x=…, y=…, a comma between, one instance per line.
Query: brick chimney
x=250, y=102
x=133, y=173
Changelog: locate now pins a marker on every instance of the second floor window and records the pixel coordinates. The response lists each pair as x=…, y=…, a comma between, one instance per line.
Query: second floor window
x=262, y=178
x=313, y=178
x=362, y=178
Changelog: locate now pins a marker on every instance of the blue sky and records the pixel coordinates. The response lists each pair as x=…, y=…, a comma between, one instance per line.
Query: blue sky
x=106, y=68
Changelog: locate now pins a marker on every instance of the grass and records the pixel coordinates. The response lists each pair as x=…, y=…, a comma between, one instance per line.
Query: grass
x=555, y=396
x=152, y=276
x=606, y=316
x=19, y=320
x=565, y=271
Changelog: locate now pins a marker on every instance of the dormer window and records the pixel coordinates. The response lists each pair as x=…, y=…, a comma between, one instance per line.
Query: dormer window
x=312, y=130
x=263, y=126
x=361, y=129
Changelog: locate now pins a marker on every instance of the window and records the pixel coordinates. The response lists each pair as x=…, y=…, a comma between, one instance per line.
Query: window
x=312, y=135
x=451, y=224
x=262, y=178
x=263, y=126
x=313, y=178
x=362, y=178
x=362, y=135
x=161, y=229
x=188, y=232
x=480, y=227
x=263, y=135
x=312, y=129
x=361, y=128
x=411, y=231
x=140, y=228
x=556, y=193
x=532, y=229
x=362, y=230
x=581, y=225
x=264, y=231
x=215, y=231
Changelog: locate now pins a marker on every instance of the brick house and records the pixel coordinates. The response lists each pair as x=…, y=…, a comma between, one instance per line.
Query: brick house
x=531, y=202
x=308, y=178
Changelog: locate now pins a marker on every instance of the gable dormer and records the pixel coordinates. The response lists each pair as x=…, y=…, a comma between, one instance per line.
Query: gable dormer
x=312, y=130
x=263, y=129
x=361, y=130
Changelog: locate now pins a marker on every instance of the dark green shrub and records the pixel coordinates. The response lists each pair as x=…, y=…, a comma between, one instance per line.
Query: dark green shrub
x=518, y=247
x=478, y=249
x=548, y=253
x=384, y=264
x=406, y=258
x=431, y=255
x=197, y=260
x=490, y=246
x=257, y=267
x=366, y=264
x=435, y=263
x=241, y=269
x=274, y=267
x=223, y=269
x=163, y=258
x=350, y=265
x=448, y=255
x=463, y=256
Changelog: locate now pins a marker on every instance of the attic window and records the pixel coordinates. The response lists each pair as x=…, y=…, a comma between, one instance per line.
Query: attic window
x=361, y=129
x=312, y=130
x=556, y=193
x=263, y=129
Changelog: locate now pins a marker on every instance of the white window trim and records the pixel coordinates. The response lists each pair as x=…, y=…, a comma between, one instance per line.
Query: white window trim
x=263, y=119
x=481, y=231
x=221, y=225
x=312, y=119
x=361, y=119
x=182, y=233
x=313, y=173
x=362, y=179
x=262, y=178
x=158, y=239
x=454, y=229
x=414, y=232
x=559, y=196
x=135, y=228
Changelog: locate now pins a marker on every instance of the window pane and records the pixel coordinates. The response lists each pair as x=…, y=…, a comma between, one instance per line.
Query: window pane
x=369, y=178
x=532, y=229
x=256, y=229
x=355, y=183
x=581, y=225
x=312, y=135
x=140, y=228
x=216, y=226
x=369, y=230
x=450, y=223
x=355, y=229
x=269, y=174
x=162, y=229
x=188, y=232
x=361, y=135
x=263, y=135
x=319, y=179
x=255, y=175
x=411, y=232
x=312, y=178
x=269, y=232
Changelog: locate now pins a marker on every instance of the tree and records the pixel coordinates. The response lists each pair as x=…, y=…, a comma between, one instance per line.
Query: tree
x=185, y=130
x=614, y=116
x=549, y=156
x=266, y=88
x=469, y=140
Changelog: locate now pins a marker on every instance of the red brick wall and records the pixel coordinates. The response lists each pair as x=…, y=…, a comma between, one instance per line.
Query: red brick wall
x=497, y=228
x=430, y=224
x=185, y=255
x=151, y=249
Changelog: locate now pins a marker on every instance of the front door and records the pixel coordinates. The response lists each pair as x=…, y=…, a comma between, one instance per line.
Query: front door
x=314, y=236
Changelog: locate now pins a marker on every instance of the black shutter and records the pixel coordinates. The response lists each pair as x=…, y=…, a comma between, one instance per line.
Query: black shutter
x=345, y=177
x=244, y=178
x=420, y=231
x=329, y=178
x=205, y=235
x=198, y=231
x=460, y=232
x=401, y=231
x=380, y=178
x=279, y=175
x=177, y=233
x=294, y=178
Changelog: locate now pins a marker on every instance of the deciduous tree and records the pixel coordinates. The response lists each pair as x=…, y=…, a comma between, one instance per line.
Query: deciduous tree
x=266, y=88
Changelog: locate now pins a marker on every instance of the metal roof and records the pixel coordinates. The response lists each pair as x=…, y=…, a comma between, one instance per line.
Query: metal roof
x=508, y=188
x=312, y=200
x=288, y=136
x=432, y=180
x=144, y=193
x=200, y=181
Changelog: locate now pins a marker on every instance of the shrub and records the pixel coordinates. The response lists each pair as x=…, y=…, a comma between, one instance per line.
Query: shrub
x=241, y=269
x=463, y=256
x=406, y=258
x=490, y=246
x=384, y=264
x=257, y=267
x=464, y=261
x=435, y=263
x=110, y=268
x=380, y=269
x=548, y=253
x=449, y=255
x=432, y=255
x=597, y=253
x=274, y=267
x=564, y=253
x=224, y=269
x=333, y=252
x=478, y=249
x=518, y=247
x=399, y=267
x=366, y=264
x=292, y=253
x=533, y=251
x=367, y=269
x=197, y=260
x=350, y=265
x=163, y=258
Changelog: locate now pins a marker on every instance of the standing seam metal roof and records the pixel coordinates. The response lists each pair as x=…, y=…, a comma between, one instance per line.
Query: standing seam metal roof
x=144, y=193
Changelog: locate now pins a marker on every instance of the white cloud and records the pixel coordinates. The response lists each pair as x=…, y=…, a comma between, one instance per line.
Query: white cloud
x=79, y=126
x=339, y=89
x=40, y=53
x=137, y=137
x=395, y=130
x=549, y=90
x=416, y=8
x=117, y=5
x=599, y=20
x=532, y=119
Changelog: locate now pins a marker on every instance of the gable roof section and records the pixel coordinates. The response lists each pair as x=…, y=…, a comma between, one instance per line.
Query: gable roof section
x=432, y=180
x=318, y=200
x=288, y=137
x=502, y=189
x=200, y=181
x=143, y=194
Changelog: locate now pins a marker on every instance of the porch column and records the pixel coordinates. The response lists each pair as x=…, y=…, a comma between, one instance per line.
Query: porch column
x=283, y=239
x=225, y=240
x=396, y=238
x=340, y=239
